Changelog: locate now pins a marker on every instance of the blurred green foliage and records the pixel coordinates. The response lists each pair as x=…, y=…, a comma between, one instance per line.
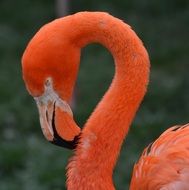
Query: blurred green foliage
x=27, y=160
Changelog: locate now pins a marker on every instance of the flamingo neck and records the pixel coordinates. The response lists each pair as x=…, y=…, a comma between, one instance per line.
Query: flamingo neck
x=95, y=157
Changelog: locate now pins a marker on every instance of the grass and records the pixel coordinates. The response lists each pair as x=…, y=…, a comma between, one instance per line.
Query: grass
x=27, y=161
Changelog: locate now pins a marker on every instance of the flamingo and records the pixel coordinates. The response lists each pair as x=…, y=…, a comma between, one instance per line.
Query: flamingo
x=50, y=65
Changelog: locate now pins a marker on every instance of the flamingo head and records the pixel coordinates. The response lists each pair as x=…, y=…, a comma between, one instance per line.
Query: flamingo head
x=50, y=65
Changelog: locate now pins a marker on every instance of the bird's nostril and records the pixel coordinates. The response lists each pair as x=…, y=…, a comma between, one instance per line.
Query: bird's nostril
x=47, y=116
x=53, y=115
x=53, y=121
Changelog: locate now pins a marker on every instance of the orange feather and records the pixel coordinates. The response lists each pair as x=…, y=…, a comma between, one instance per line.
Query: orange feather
x=52, y=57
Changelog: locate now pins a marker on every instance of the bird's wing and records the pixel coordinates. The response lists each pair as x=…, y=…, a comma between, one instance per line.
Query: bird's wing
x=164, y=164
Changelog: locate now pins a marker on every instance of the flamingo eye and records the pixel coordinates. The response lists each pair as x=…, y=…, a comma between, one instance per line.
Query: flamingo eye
x=48, y=82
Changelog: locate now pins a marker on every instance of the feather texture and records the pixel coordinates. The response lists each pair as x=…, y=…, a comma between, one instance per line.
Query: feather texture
x=166, y=165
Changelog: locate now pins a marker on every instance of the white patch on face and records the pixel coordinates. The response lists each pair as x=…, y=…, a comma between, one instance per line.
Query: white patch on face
x=46, y=104
x=50, y=95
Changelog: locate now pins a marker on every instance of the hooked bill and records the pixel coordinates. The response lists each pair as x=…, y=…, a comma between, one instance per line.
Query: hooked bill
x=56, y=118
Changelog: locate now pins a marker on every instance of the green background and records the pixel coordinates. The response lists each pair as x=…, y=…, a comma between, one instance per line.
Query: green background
x=27, y=160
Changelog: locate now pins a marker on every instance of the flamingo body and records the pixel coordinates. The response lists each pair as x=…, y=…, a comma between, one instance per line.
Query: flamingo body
x=50, y=65
x=164, y=165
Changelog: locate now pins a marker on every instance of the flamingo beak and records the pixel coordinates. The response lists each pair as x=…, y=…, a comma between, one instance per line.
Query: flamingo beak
x=56, y=118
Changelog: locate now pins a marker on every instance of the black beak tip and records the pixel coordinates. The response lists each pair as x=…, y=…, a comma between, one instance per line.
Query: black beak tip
x=66, y=144
x=61, y=142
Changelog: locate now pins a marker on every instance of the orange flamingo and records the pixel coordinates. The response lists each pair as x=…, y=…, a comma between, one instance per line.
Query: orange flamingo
x=50, y=64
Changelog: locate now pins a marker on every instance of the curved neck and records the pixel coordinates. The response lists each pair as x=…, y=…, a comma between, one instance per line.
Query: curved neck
x=103, y=134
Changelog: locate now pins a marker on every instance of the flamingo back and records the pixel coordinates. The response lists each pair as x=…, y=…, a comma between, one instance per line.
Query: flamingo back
x=164, y=164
